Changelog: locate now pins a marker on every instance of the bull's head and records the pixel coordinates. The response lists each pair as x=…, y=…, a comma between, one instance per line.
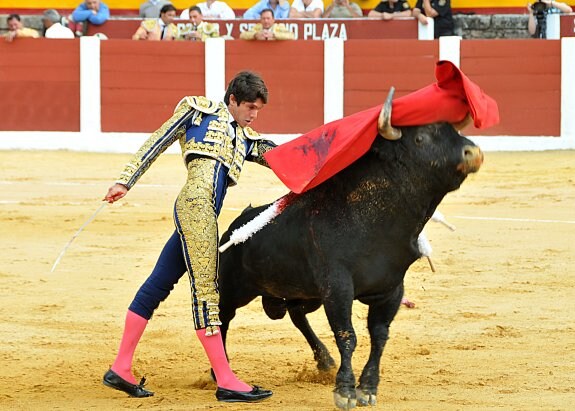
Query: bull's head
x=387, y=131
x=384, y=127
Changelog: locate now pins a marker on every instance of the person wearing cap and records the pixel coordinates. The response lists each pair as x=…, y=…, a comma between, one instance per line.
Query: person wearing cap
x=53, y=28
x=161, y=28
x=17, y=30
x=267, y=29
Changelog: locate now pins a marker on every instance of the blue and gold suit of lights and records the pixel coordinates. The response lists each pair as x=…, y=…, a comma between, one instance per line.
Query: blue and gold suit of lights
x=214, y=148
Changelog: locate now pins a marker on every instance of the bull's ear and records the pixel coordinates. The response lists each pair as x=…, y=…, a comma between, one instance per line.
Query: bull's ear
x=463, y=123
x=384, y=126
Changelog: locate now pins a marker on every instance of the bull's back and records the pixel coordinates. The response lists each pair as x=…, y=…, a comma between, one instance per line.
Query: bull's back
x=274, y=261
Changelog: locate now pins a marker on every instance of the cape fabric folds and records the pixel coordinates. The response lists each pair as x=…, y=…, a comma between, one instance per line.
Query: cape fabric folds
x=314, y=157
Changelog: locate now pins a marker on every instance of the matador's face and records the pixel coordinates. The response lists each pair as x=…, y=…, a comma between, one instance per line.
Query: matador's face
x=246, y=112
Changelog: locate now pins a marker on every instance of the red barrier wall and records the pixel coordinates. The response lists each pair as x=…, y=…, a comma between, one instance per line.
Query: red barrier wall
x=524, y=77
x=567, y=27
x=143, y=81
x=40, y=85
x=293, y=72
x=371, y=67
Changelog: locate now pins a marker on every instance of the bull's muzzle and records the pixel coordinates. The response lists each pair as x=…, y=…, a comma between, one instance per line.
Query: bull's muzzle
x=472, y=159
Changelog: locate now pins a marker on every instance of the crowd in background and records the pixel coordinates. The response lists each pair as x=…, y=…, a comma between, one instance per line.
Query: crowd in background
x=159, y=17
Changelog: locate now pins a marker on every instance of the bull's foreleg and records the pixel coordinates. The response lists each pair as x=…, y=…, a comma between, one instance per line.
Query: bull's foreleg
x=297, y=311
x=337, y=304
x=381, y=313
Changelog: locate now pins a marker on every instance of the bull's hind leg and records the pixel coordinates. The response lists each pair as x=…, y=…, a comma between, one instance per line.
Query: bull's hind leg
x=381, y=313
x=297, y=311
x=337, y=302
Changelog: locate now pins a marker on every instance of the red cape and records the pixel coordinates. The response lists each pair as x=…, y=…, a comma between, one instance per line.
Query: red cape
x=314, y=157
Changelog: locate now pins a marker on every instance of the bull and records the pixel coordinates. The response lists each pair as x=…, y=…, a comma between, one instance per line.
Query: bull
x=352, y=237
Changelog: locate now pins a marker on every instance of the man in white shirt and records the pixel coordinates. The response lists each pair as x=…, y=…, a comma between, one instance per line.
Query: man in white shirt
x=212, y=9
x=54, y=30
x=301, y=9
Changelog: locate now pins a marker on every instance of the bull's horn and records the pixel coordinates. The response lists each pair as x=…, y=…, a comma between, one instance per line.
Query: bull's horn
x=463, y=123
x=384, y=121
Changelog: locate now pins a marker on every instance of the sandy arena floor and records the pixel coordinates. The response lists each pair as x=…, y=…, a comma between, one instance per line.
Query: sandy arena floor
x=492, y=329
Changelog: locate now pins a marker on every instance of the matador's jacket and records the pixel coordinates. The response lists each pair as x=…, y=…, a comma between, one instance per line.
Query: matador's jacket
x=214, y=148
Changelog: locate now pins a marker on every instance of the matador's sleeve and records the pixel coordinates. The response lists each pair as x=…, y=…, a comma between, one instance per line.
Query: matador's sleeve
x=155, y=145
x=259, y=148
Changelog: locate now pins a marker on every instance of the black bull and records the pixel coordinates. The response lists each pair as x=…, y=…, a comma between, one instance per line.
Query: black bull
x=352, y=237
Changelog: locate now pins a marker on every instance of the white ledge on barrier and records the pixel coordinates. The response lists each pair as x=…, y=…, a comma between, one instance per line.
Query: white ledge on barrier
x=426, y=31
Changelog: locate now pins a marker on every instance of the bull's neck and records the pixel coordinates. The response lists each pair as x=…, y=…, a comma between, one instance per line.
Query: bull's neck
x=390, y=195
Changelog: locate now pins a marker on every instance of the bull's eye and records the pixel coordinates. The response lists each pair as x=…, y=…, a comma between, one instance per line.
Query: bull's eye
x=419, y=139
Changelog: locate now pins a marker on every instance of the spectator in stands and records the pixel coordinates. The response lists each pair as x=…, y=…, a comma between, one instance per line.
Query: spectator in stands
x=93, y=11
x=339, y=9
x=151, y=8
x=212, y=9
x=161, y=28
x=440, y=11
x=53, y=28
x=391, y=9
x=267, y=29
x=550, y=7
x=17, y=30
x=200, y=30
x=280, y=8
x=312, y=9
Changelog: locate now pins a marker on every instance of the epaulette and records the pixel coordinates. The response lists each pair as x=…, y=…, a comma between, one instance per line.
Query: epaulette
x=279, y=28
x=251, y=133
x=199, y=103
x=149, y=24
x=210, y=28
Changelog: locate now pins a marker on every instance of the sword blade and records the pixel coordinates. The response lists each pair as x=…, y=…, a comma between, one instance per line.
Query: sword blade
x=88, y=221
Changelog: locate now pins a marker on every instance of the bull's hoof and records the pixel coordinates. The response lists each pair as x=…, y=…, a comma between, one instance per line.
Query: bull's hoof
x=344, y=402
x=365, y=398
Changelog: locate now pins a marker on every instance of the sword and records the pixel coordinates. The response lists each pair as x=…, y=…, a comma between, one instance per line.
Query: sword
x=88, y=221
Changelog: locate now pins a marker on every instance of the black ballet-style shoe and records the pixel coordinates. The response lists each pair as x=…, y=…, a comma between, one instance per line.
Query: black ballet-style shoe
x=256, y=394
x=113, y=380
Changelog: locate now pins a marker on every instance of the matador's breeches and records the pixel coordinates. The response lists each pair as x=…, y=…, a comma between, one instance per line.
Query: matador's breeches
x=195, y=215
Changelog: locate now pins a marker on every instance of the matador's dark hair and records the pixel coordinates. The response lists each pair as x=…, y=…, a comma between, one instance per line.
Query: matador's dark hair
x=247, y=86
x=166, y=8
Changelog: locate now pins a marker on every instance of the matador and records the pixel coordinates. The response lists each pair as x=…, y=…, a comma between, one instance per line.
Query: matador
x=215, y=138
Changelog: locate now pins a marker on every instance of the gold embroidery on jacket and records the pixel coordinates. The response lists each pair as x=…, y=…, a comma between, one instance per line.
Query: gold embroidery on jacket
x=196, y=215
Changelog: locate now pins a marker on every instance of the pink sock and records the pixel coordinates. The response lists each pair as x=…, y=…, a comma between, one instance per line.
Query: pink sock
x=214, y=348
x=133, y=330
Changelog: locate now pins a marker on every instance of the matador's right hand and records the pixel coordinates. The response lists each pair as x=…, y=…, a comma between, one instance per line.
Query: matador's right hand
x=115, y=192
